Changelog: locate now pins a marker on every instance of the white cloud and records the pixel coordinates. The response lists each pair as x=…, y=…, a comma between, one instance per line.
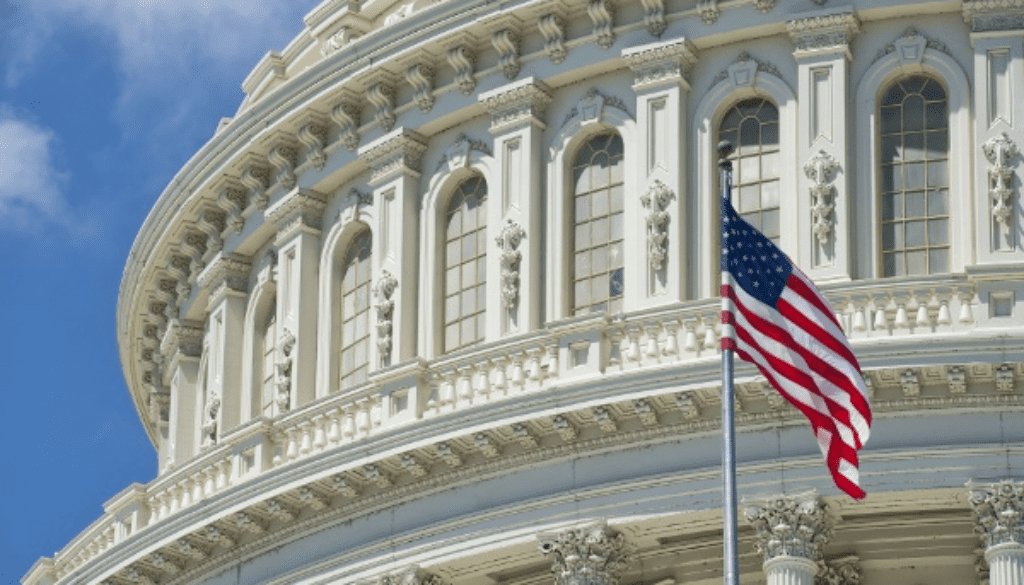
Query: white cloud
x=31, y=195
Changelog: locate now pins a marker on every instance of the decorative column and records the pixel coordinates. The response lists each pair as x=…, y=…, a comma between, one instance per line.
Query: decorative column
x=181, y=347
x=996, y=30
x=790, y=532
x=662, y=90
x=226, y=279
x=588, y=555
x=297, y=218
x=517, y=124
x=394, y=160
x=822, y=52
x=998, y=511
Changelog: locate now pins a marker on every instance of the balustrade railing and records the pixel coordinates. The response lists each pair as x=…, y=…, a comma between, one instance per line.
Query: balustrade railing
x=564, y=353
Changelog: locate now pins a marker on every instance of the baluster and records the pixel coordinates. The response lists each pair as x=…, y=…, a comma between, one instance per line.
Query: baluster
x=483, y=380
x=306, y=442
x=165, y=504
x=518, y=376
x=319, y=432
x=363, y=416
x=615, y=349
x=881, y=317
x=334, y=431
x=293, y=444
x=500, y=378
x=633, y=351
x=209, y=481
x=552, y=352
x=966, y=315
x=671, y=341
x=446, y=393
x=533, y=366
x=860, y=321
x=901, y=321
x=923, y=319
x=651, y=351
x=376, y=412
x=465, y=384
x=690, y=338
x=348, y=422
x=710, y=341
x=182, y=496
x=223, y=474
x=944, y=317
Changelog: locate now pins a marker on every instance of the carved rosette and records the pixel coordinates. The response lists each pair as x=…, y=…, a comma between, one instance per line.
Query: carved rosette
x=656, y=201
x=790, y=526
x=821, y=169
x=508, y=242
x=1000, y=151
x=588, y=555
x=998, y=512
x=283, y=369
x=385, y=306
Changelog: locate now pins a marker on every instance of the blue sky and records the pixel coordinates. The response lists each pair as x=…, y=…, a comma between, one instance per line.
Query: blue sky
x=101, y=102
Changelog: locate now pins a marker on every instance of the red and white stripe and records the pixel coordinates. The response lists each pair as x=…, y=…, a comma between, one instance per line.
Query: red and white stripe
x=801, y=350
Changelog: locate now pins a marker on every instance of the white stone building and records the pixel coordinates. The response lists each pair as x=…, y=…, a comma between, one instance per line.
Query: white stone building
x=439, y=304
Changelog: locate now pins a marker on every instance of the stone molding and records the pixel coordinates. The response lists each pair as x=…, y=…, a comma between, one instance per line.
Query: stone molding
x=393, y=154
x=985, y=16
x=587, y=555
x=226, y=272
x=300, y=209
x=515, y=104
x=660, y=63
x=185, y=338
x=789, y=526
x=823, y=33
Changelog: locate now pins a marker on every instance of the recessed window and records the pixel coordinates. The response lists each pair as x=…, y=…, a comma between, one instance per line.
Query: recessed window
x=752, y=126
x=465, y=265
x=355, y=312
x=267, y=352
x=598, y=269
x=914, y=169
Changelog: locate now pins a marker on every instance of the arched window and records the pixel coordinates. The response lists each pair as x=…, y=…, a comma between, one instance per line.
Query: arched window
x=268, y=338
x=465, y=265
x=914, y=125
x=355, y=312
x=598, y=270
x=752, y=126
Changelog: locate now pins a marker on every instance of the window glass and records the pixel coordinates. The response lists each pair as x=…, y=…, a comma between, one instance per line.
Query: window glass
x=465, y=282
x=597, y=215
x=752, y=126
x=914, y=186
x=267, y=387
x=355, y=312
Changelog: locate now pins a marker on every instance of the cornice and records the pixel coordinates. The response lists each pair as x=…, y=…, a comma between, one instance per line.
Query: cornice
x=396, y=153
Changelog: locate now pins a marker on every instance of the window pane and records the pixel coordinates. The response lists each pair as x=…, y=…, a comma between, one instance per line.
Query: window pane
x=937, y=174
x=917, y=262
x=938, y=232
x=915, y=204
x=913, y=146
x=597, y=216
x=915, y=234
x=466, y=266
x=938, y=260
x=937, y=204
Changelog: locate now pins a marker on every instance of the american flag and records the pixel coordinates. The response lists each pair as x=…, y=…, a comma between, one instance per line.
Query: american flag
x=774, y=318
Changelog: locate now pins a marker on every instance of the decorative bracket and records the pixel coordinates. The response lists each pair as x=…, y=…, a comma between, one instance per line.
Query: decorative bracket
x=821, y=169
x=508, y=242
x=1000, y=150
x=656, y=201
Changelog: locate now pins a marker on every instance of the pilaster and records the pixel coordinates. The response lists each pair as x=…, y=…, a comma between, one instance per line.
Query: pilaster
x=517, y=124
x=226, y=279
x=587, y=555
x=297, y=218
x=822, y=51
x=394, y=160
x=999, y=521
x=790, y=532
x=996, y=32
x=182, y=346
x=662, y=93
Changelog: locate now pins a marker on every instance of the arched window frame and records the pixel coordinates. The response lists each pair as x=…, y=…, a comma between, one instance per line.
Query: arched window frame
x=461, y=162
x=353, y=219
x=875, y=81
x=583, y=125
x=261, y=299
x=709, y=114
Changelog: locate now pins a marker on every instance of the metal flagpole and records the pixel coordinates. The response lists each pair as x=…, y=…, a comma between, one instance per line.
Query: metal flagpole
x=731, y=564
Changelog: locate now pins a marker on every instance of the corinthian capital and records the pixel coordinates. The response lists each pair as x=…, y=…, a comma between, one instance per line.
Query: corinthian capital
x=587, y=555
x=998, y=508
x=794, y=526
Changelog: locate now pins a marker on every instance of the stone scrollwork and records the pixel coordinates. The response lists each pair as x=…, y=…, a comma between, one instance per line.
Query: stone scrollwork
x=421, y=78
x=821, y=169
x=654, y=17
x=794, y=526
x=461, y=58
x=601, y=16
x=313, y=136
x=656, y=201
x=588, y=555
x=346, y=116
x=998, y=512
x=385, y=306
x=552, y=26
x=284, y=371
x=283, y=157
x=506, y=43
x=382, y=96
x=508, y=242
x=1000, y=150
x=840, y=571
x=256, y=178
x=232, y=201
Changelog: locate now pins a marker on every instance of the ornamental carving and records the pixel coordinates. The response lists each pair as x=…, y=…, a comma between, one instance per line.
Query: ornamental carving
x=232, y=200
x=656, y=201
x=508, y=242
x=456, y=156
x=910, y=46
x=256, y=178
x=744, y=71
x=601, y=17
x=827, y=31
x=591, y=108
x=421, y=78
x=313, y=136
x=821, y=169
x=382, y=96
x=461, y=57
x=998, y=510
x=669, y=61
x=525, y=101
x=210, y=418
x=346, y=116
x=588, y=555
x=211, y=222
x=552, y=26
x=344, y=36
x=412, y=575
x=708, y=10
x=385, y=306
x=283, y=368
x=399, y=152
x=654, y=16
x=840, y=571
x=994, y=15
x=1000, y=152
x=284, y=157
x=506, y=43
x=796, y=526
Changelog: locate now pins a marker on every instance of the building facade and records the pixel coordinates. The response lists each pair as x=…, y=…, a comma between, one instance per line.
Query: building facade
x=438, y=305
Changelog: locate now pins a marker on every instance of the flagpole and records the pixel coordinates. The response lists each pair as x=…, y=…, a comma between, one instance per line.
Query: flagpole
x=731, y=564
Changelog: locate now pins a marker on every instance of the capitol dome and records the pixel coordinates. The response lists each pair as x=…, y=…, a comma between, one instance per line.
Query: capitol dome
x=439, y=304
